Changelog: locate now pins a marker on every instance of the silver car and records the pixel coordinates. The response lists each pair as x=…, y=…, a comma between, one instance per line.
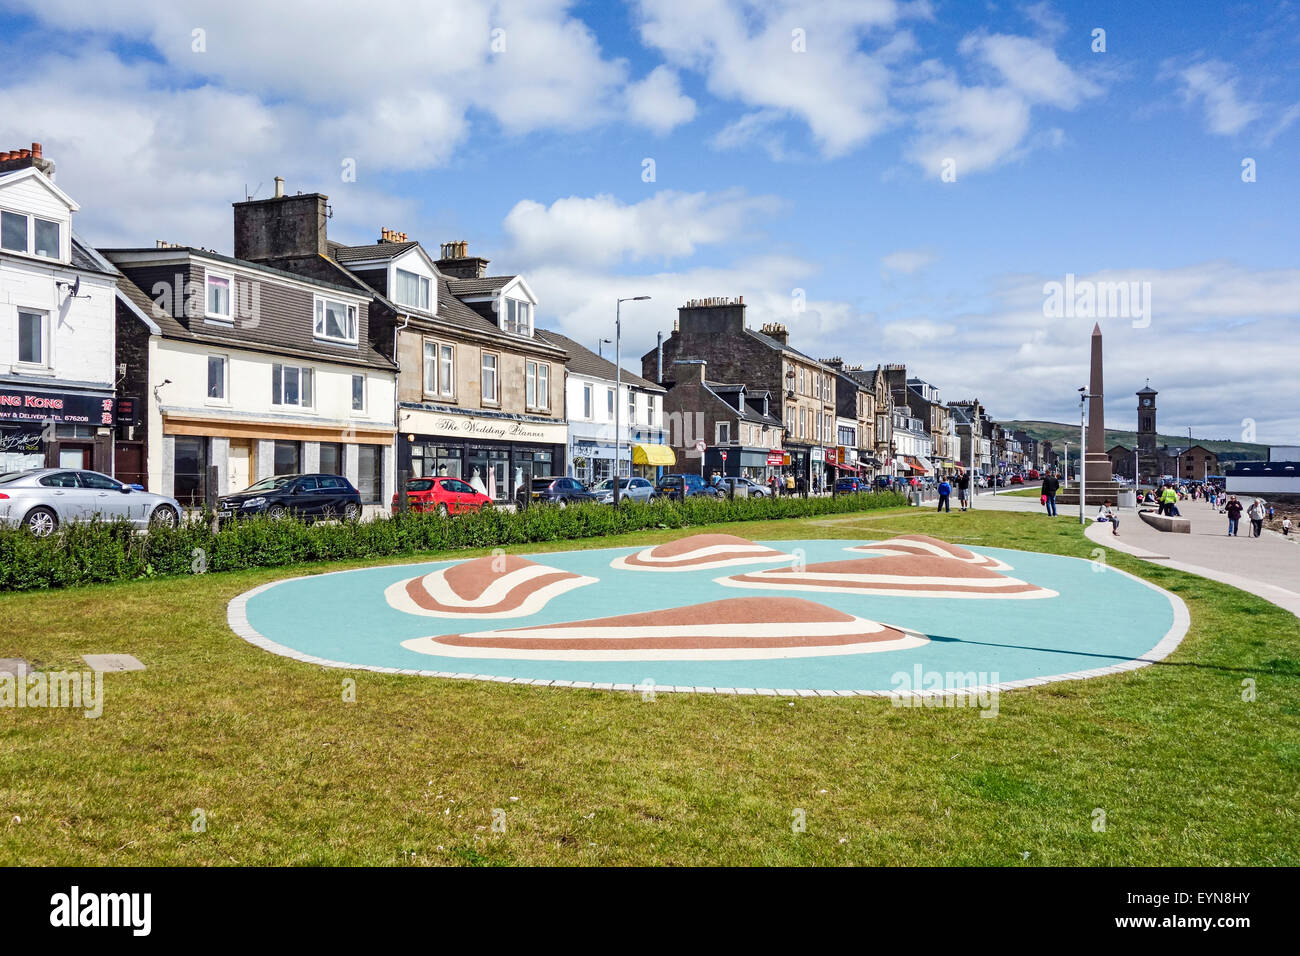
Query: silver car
x=41, y=499
x=637, y=489
x=747, y=487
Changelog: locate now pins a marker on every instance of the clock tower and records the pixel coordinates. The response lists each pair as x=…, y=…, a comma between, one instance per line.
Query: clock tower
x=1146, y=440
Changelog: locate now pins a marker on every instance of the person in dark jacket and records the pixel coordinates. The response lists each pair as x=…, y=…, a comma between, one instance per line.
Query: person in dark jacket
x=1234, y=509
x=1050, y=487
x=945, y=494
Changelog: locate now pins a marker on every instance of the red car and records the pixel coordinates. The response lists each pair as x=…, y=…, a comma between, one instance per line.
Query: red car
x=446, y=496
x=1017, y=480
x=1034, y=475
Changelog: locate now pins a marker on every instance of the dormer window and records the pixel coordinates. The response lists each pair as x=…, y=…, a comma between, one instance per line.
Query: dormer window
x=218, y=299
x=414, y=290
x=518, y=317
x=31, y=235
x=335, y=320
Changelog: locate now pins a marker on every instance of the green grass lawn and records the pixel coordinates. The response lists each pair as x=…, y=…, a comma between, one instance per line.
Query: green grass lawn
x=287, y=773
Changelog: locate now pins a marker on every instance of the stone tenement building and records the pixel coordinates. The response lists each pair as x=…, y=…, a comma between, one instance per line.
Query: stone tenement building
x=802, y=388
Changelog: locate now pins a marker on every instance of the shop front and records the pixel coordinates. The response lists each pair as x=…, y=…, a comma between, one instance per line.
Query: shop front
x=44, y=427
x=496, y=454
x=650, y=459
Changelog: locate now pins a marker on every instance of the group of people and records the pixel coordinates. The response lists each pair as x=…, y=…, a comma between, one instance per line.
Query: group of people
x=1166, y=499
x=945, y=488
x=787, y=484
x=1258, y=512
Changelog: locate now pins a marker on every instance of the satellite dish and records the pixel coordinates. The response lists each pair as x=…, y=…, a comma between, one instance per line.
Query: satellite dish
x=76, y=286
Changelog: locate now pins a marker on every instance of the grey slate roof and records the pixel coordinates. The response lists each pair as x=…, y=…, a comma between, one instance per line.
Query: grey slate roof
x=478, y=286
x=373, y=250
x=583, y=361
x=753, y=410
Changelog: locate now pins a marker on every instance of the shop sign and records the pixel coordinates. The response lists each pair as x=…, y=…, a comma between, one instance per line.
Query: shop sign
x=18, y=405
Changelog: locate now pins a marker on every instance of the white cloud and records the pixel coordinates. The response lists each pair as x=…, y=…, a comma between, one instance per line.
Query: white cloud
x=658, y=102
x=750, y=53
x=1214, y=84
x=602, y=230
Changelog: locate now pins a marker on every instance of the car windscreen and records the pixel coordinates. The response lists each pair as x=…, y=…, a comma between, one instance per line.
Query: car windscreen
x=15, y=475
x=273, y=483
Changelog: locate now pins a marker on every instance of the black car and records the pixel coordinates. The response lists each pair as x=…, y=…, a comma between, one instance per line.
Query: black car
x=561, y=492
x=304, y=496
x=676, y=487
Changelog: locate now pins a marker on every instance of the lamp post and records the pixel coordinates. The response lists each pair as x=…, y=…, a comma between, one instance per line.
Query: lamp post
x=1084, y=395
x=618, y=385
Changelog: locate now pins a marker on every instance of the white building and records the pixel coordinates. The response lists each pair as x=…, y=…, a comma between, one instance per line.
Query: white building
x=594, y=406
x=57, y=312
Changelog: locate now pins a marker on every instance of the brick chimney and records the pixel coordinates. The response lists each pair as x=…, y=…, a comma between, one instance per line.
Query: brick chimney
x=713, y=316
x=458, y=263
x=282, y=226
x=24, y=158
x=689, y=371
x=776, y=331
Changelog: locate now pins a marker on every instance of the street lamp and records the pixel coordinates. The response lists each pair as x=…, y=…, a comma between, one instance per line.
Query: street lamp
x=1084, y=395
x=618, y=385
x=600, y=346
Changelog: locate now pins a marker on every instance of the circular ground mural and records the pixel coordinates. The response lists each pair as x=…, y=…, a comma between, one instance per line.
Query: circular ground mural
x=718, y=613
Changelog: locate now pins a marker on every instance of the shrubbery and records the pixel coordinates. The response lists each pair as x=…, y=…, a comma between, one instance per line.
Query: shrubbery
x=96, y=551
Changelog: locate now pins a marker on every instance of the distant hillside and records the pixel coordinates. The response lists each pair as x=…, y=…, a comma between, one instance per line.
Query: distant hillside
x=1056, y=433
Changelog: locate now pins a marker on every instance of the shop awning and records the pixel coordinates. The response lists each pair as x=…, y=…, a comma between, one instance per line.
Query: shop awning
x=653, y=455
x=913, y=463
x=925, y=464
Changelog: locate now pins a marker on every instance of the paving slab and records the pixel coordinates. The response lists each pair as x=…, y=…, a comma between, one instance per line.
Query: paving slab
x=112, y=662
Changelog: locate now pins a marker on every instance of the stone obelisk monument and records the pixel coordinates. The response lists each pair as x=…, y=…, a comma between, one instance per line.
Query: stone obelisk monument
x=1101, y=485
x=1096, y=463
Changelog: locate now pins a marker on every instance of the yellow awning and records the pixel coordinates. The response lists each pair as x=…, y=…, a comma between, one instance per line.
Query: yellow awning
x=653, y=455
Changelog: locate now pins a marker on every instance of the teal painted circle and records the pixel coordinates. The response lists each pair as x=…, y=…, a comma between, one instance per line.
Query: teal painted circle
x=1100, y=618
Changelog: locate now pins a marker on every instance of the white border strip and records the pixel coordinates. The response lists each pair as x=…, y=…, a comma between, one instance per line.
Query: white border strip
x=237, y=618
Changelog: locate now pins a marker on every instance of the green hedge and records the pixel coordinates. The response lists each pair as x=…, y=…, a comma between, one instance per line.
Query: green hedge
x=96, y=551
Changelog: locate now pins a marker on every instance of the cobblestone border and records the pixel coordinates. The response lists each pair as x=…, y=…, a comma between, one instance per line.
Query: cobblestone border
x=237, y=618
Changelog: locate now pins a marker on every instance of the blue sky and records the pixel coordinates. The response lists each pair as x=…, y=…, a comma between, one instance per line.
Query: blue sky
x=776, y=169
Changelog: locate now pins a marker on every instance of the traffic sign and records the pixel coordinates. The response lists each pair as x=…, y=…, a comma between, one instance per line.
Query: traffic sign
x=701, y=445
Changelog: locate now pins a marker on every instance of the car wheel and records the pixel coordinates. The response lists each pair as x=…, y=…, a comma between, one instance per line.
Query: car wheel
x=164, y=516
x=277, y=512
x=41, y=522
x=351, y=511
x=442, y=511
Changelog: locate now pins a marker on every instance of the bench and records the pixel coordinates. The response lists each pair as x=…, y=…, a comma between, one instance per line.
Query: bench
x=1166, y=523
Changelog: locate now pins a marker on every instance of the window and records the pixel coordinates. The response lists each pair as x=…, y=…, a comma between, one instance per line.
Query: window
x=587, y=402
x=518, y=317
x=537, y=385
x=609, y=395
x=358, y=393
x=335, y=320
x=369, y=473
x=413, y=290
x=489, y=378
x=288, y=458
x=47, y=239
x=189, y=470
x=650, y=411
x=331, y=458
x=217, y=377
x=291, y=385
x=723, y=433
x=446, y=380
x=218, y=298
x=13, y=232
x=631, y=407
x=431, y=368
x=31, y=338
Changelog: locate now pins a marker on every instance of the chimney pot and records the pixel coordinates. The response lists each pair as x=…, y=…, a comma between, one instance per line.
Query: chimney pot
x=279, y=187
x=36, y=150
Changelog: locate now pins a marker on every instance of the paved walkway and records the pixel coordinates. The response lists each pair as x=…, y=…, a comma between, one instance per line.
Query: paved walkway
x=1267, y=566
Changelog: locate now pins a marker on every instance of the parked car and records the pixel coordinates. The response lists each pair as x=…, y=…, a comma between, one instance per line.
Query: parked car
x=1017, y=480
x=442, y=494
x=848, y=483
x=41, y=499
x=676, y=487
x=1034, y=474
x=746, y=486
x=884, y=481
x=553, y=491
x=312, y=497
x=637, y=489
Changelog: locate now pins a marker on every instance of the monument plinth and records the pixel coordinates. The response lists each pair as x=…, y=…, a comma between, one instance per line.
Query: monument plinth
x=1100, y=481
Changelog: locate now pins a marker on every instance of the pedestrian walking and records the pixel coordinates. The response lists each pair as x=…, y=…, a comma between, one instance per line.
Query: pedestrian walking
x=945, y=492
x=801, y=483
x=1256, y=514
x=1233, y=510
x=963, y=488
x=1286, y=527
x=789, y=483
